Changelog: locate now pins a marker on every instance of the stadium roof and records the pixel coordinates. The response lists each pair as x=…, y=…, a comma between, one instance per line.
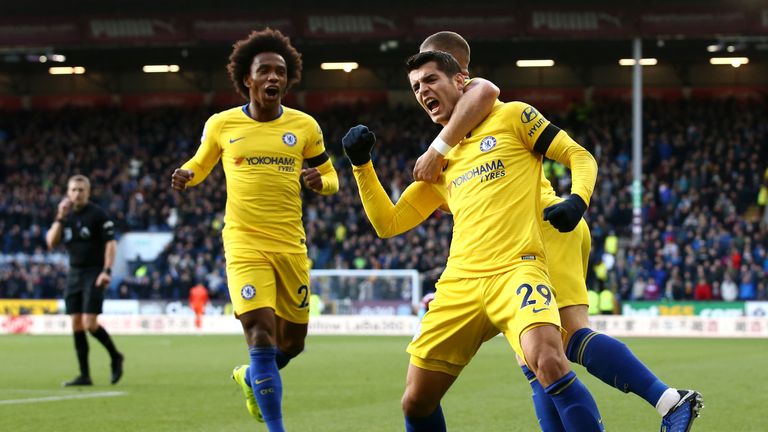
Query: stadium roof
x=118, y=37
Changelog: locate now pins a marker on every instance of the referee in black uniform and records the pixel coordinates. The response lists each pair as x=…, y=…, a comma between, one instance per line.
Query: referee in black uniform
x=89, y=236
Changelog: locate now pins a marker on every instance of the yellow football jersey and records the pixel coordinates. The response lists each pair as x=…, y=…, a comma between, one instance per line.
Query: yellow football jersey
x=548, y=195
x=492, y=185
x=262, y=162
x=493, y=189
x=562, y=148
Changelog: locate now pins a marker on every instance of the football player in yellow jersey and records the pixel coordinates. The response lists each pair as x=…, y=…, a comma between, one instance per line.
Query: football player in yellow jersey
x=263, y=146
x=496, y=276
x=567, y=251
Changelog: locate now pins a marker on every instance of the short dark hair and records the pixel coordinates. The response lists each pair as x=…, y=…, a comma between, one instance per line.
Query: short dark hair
x=79, y=178
x=445, y=62
x=450, y=42
x=267, y=40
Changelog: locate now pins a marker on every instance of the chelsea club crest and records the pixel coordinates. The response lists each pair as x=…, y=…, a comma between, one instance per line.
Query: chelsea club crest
x=248, y=292
x=487, y=144
x=289, y=139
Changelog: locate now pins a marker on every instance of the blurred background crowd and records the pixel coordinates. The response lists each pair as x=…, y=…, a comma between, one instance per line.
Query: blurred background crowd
x=705, y=190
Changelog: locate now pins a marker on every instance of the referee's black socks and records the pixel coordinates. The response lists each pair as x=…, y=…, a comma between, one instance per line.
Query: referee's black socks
x=105, y=340
x=81, y=347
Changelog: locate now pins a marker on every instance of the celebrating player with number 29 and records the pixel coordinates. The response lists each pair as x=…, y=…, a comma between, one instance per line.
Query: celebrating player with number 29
x=567, y=241
x=496, y=276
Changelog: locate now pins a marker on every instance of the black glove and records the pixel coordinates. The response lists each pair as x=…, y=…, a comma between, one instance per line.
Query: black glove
x=358, y=143
x=566, y=215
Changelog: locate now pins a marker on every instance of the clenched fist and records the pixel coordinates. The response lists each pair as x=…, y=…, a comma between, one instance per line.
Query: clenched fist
x=312, y=179
x=180, y=178
x=358, y=143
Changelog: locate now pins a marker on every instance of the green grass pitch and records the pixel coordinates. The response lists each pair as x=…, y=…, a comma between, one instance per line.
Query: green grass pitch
x=181, y=383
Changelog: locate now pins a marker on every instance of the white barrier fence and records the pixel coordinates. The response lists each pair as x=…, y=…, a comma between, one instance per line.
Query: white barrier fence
x=620, y=326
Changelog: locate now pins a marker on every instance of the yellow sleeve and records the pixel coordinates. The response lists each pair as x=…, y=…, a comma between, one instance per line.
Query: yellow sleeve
x=208, y=154
x=419, y=200
x=314, y=145
x=329, y=178
x=541, y=136
x=582, y=164
x=529, y=124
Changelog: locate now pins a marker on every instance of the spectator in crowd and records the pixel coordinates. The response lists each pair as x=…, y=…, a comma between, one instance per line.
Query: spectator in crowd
x=675, y=289
x=747, y=288
x=703, y=290
x=594, y=302
x=607, y=302
x=198, y=298
x=316, y=305
x=651, y=291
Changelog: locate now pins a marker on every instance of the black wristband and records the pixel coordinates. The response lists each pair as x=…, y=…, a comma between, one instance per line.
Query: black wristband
x=61, y=221
x=107, y=270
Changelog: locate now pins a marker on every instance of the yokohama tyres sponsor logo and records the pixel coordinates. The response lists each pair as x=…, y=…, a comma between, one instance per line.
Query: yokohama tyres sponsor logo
x=284, y=164
x=483, y=171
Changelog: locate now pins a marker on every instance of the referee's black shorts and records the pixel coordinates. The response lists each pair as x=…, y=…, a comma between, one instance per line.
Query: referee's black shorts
x=82, y=294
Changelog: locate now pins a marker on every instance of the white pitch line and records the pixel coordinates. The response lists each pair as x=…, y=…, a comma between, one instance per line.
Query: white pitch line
x=59, y=398
x=2, y=390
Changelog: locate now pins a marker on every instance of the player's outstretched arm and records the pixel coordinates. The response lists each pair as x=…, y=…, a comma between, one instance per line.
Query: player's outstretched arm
x=416, y=204
x=473, y=106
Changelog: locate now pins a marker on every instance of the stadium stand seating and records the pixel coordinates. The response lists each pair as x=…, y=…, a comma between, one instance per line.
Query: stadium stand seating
x=705, y=188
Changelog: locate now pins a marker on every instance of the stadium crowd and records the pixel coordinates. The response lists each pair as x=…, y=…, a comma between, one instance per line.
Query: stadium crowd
x=705, y=190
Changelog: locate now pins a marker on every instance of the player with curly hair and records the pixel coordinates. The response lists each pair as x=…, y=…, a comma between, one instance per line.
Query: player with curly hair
x=263, y=146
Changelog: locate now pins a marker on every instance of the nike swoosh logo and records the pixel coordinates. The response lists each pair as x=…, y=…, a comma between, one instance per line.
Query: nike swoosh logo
x=263, y=381
x=235, y=140
x=539, y=310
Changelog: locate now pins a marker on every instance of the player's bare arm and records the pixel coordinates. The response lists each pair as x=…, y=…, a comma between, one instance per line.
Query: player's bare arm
x=474, y=105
